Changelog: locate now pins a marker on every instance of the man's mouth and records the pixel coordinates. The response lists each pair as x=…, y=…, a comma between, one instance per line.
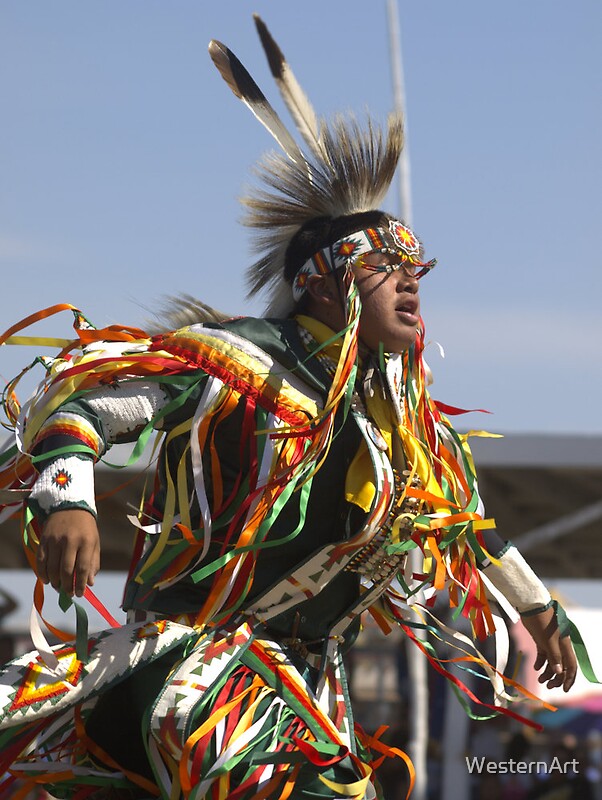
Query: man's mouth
x=409, y=310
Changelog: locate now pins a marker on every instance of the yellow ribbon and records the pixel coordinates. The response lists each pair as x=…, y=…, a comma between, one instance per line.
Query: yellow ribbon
x=355, y=790
x=40, y=341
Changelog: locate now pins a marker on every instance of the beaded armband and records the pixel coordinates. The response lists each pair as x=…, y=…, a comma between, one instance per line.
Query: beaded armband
x=126, y=407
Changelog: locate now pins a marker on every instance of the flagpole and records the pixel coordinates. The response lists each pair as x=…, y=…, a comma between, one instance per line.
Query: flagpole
x=417, y=664
x=399, y=98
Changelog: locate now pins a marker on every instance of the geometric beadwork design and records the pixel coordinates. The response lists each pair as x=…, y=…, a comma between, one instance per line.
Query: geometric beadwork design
x=38, y=685
x=152, y=629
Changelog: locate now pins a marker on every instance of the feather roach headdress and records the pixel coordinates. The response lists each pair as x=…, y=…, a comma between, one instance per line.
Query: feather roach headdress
x=347, y=168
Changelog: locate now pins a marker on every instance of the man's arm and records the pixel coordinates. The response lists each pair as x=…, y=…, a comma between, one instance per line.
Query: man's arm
x=519, y=584
x=68, y=555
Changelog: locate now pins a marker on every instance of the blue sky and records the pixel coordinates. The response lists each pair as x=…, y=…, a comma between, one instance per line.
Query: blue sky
x=123, y=154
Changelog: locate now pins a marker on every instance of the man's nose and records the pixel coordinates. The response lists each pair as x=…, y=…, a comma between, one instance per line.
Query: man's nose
x=406, y=281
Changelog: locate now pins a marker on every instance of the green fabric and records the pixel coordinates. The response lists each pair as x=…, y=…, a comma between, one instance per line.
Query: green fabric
x=323, y=522
x=121, y=735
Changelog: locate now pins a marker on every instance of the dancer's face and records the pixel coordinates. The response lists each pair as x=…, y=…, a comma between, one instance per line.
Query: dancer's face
x=390, y=303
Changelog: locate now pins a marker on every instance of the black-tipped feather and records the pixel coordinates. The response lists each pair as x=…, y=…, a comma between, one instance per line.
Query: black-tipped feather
x=351, y=169
x=244, y=87
x=296, y=100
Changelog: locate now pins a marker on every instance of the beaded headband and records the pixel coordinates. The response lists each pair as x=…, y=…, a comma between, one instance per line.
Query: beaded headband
x=397, y=237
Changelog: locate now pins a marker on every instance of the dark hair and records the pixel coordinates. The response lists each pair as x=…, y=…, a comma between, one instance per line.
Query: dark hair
x=321, y=232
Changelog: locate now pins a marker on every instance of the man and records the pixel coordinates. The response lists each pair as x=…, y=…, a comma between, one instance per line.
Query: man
x=302, y=458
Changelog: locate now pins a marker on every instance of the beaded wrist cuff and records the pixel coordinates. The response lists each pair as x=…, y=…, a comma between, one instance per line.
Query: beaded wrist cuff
x=66, y=482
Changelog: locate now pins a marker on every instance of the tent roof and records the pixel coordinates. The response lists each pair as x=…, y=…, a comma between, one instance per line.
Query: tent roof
x=526, y=481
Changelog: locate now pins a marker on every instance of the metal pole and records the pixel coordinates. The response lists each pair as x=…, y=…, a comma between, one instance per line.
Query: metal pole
x=419, y=698
x=399, y=98
x=559, y=527
x=417, y=664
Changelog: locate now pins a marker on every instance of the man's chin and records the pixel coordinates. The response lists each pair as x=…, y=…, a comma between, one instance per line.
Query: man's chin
x=398, y=346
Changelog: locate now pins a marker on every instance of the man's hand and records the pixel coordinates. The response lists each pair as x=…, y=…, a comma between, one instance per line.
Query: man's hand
x=555, y=655
x=68, y=556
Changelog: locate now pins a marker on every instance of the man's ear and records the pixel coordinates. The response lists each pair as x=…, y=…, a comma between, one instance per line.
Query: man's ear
x=322, y=290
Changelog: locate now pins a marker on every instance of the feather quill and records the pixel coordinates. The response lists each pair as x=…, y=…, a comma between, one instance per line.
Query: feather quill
x=295, y=98
x=244, y=87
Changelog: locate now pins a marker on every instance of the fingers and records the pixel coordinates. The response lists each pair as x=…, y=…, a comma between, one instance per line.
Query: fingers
x=56, y=564
x=86, y=566
x=560, y=664
x=64, y=570
x=549, y=658
x=42, y=562
x=553, y=674
x=555, y=655
x=68, y=555
x=540, y=660
x=569, y=661
x=49, y=560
